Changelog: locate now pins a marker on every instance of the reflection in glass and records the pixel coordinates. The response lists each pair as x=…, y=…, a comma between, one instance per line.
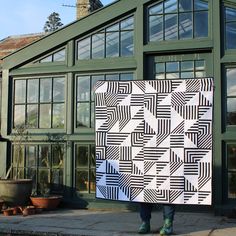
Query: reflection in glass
x=185, y=25
x=58, y=89
x=84, y=48
x=83, y=88
x=156, y=28
x=32, y=116
x=92, y=112
x=187, y=65
x=59, y=56
x=126, y=76
x=127, y=43
x=185, y=5
x=82, y=156
x=172, y=75
x=98, y=45
x=200, y=24
x=230, y=14
x=83, y=116
x=112, y=77
x=33, y=90
x=231, y=35
x=46, y=59
x=157, y=9
x=171, y=27
x=200, y=5
x=31, y=155
x=170, y=6
x=112, y=44
x=112, y=28
x=200, y=65
x=232, y=185
x=81, y=180
x=45, y=90
x=127, y=24
x=45, y=116
x=20, y=91
x=19, y=115
x=231, y=111
x=231, y=154
x=172, y=66
x=231, y=82
x=58, y=116
x=186, y=75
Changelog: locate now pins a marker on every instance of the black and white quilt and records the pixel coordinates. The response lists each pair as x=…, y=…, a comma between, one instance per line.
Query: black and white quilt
x=154, y=140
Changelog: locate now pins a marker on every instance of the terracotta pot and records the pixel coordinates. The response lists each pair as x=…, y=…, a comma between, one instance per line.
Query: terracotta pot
x=29, y=210
x=16, y=210
x=8, y=212
x=49, y=203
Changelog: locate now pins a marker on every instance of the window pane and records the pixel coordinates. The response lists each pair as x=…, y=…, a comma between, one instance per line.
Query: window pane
x=92, y=115
x=187, y=65
x=45, y=116
x=58, y=116
x=231, y=35
x=126, y=76
x=160, y=67
x=82, y=181
x=186, y=75
x=171, y=27
x=19, y=115
x=157, y=9
x=59, y=56
x=232, y=185
x=31, y=155
x=82, y=156
x=18, y=155
x=172, y=66
x=200, y=74
x=57, y=155
x=98, y=46
x=230, y=14
x=127, y=24
x=185, y=5
x=112, y=44
x=32, y=116
x=127, y=43
x=172, y=75
x=112, y=77
x=46, y=59
x=20, y=91
x=84, y=49
x=33, y=90
x=44, y=156
x=160, y=76
x=231, y=111
x=200, y=5
x=83, y=116
x=231, y=154
x=83, y=88
x=185, y=25
x=156, y=28
x=92, y=159
x=231, y=82
x=95, y=78
x=200, y=65
x=201, y=24
x=45, y=90
x=113, y=28
x=170, y=6
x=44, y=180
x=58, y=89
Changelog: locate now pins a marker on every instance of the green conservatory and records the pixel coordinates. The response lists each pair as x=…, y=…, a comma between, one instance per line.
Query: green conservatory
x=47, y=86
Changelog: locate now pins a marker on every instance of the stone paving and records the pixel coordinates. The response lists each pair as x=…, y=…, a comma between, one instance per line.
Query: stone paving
x=67, y=222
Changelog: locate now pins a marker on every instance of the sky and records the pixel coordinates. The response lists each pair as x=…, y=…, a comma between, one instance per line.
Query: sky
x=29, y=16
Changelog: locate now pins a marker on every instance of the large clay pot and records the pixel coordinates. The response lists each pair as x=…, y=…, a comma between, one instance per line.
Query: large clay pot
x=48, y=203
x=15, y=192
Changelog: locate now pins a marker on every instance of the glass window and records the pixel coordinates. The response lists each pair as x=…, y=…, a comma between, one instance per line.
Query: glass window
x=231, y=166
x=85, y=168
x=39, y=103
x=178, y=19
x=118, y=40
x=230, y=28
x=180, y=69
x=85, y=96
x=231, y=96
x=55, y=57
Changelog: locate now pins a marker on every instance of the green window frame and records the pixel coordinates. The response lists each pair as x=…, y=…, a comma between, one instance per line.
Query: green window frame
x=39, y=103
x=178, y=20
x=230, y=27
x=43, y=163
x=57, y=56
x=230, y=95
x=85, y=168
x=85, y=96
x=115, y=40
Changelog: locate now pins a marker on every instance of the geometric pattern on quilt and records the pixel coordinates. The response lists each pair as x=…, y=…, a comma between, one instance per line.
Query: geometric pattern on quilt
x=154, y=141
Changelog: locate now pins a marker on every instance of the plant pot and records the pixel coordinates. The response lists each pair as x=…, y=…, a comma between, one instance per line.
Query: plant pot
x=49, y=203
x=8, y=212
x=15, y=192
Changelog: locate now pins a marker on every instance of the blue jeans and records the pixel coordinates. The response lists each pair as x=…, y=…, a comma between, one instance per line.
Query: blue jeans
x=146, y=211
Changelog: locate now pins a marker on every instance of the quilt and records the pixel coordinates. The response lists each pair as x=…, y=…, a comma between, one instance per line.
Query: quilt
x=154, y=141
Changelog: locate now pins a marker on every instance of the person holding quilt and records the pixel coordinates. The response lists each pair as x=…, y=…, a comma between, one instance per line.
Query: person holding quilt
x=145, y=215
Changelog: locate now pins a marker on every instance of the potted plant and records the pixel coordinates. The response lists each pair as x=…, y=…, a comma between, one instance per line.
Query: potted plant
x=44, y=198
x=15, y=190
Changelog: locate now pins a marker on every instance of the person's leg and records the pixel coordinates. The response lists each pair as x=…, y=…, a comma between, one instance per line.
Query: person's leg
x=145, y=215
x=168, y=215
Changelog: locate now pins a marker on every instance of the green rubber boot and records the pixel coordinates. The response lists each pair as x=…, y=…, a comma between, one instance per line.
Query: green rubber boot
x=144, y=228
x=167, y=228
